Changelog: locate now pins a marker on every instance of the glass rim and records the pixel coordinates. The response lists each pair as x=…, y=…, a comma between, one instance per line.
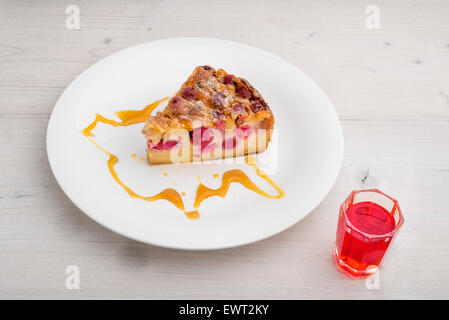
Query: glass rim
x=397, y=226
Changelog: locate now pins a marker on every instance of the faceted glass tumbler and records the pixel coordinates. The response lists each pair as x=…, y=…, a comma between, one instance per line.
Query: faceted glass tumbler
x=367, y=223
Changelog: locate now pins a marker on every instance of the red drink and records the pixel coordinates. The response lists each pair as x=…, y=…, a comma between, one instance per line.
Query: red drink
x=367, y=223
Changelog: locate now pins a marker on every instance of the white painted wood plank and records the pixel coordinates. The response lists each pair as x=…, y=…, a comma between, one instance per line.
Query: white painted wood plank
x=391, y=90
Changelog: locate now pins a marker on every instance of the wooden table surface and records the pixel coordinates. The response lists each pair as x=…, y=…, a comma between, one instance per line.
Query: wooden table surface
x=390, y=87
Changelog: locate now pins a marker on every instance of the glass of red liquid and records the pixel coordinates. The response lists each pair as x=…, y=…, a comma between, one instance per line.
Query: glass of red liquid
x=368, y=222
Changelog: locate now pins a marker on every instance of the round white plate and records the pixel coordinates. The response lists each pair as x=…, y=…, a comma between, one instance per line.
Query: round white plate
x=304, y=159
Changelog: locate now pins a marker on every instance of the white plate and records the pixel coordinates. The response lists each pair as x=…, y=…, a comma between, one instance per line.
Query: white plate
x=309, y=149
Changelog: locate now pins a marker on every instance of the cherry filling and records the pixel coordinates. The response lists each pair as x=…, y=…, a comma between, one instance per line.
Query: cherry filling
x=202, y=135
x=205, y=136
x=243, y=132
x=220, y=125
x=160, y=146
x=228, y=79
x=229, y=143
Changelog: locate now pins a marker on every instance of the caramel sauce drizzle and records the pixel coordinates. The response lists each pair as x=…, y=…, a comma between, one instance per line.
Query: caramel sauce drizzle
x=129, y=117
x=239, y=176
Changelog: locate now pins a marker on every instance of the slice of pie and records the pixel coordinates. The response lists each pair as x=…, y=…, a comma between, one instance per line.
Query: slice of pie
x=214, y=115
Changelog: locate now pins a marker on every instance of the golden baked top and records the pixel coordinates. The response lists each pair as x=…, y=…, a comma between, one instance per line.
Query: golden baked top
x=211, y=98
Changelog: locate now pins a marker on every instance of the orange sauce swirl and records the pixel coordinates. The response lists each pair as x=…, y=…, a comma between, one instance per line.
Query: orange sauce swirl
x=239, y=176
x=128, y=117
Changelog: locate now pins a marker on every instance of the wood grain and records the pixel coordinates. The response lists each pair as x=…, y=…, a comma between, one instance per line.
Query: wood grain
x=391, y=90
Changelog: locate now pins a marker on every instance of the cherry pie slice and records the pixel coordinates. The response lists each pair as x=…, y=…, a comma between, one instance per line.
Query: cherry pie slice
x=214, y=115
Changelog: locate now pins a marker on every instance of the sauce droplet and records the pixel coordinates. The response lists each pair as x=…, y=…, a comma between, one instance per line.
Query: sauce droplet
x=139, y=160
